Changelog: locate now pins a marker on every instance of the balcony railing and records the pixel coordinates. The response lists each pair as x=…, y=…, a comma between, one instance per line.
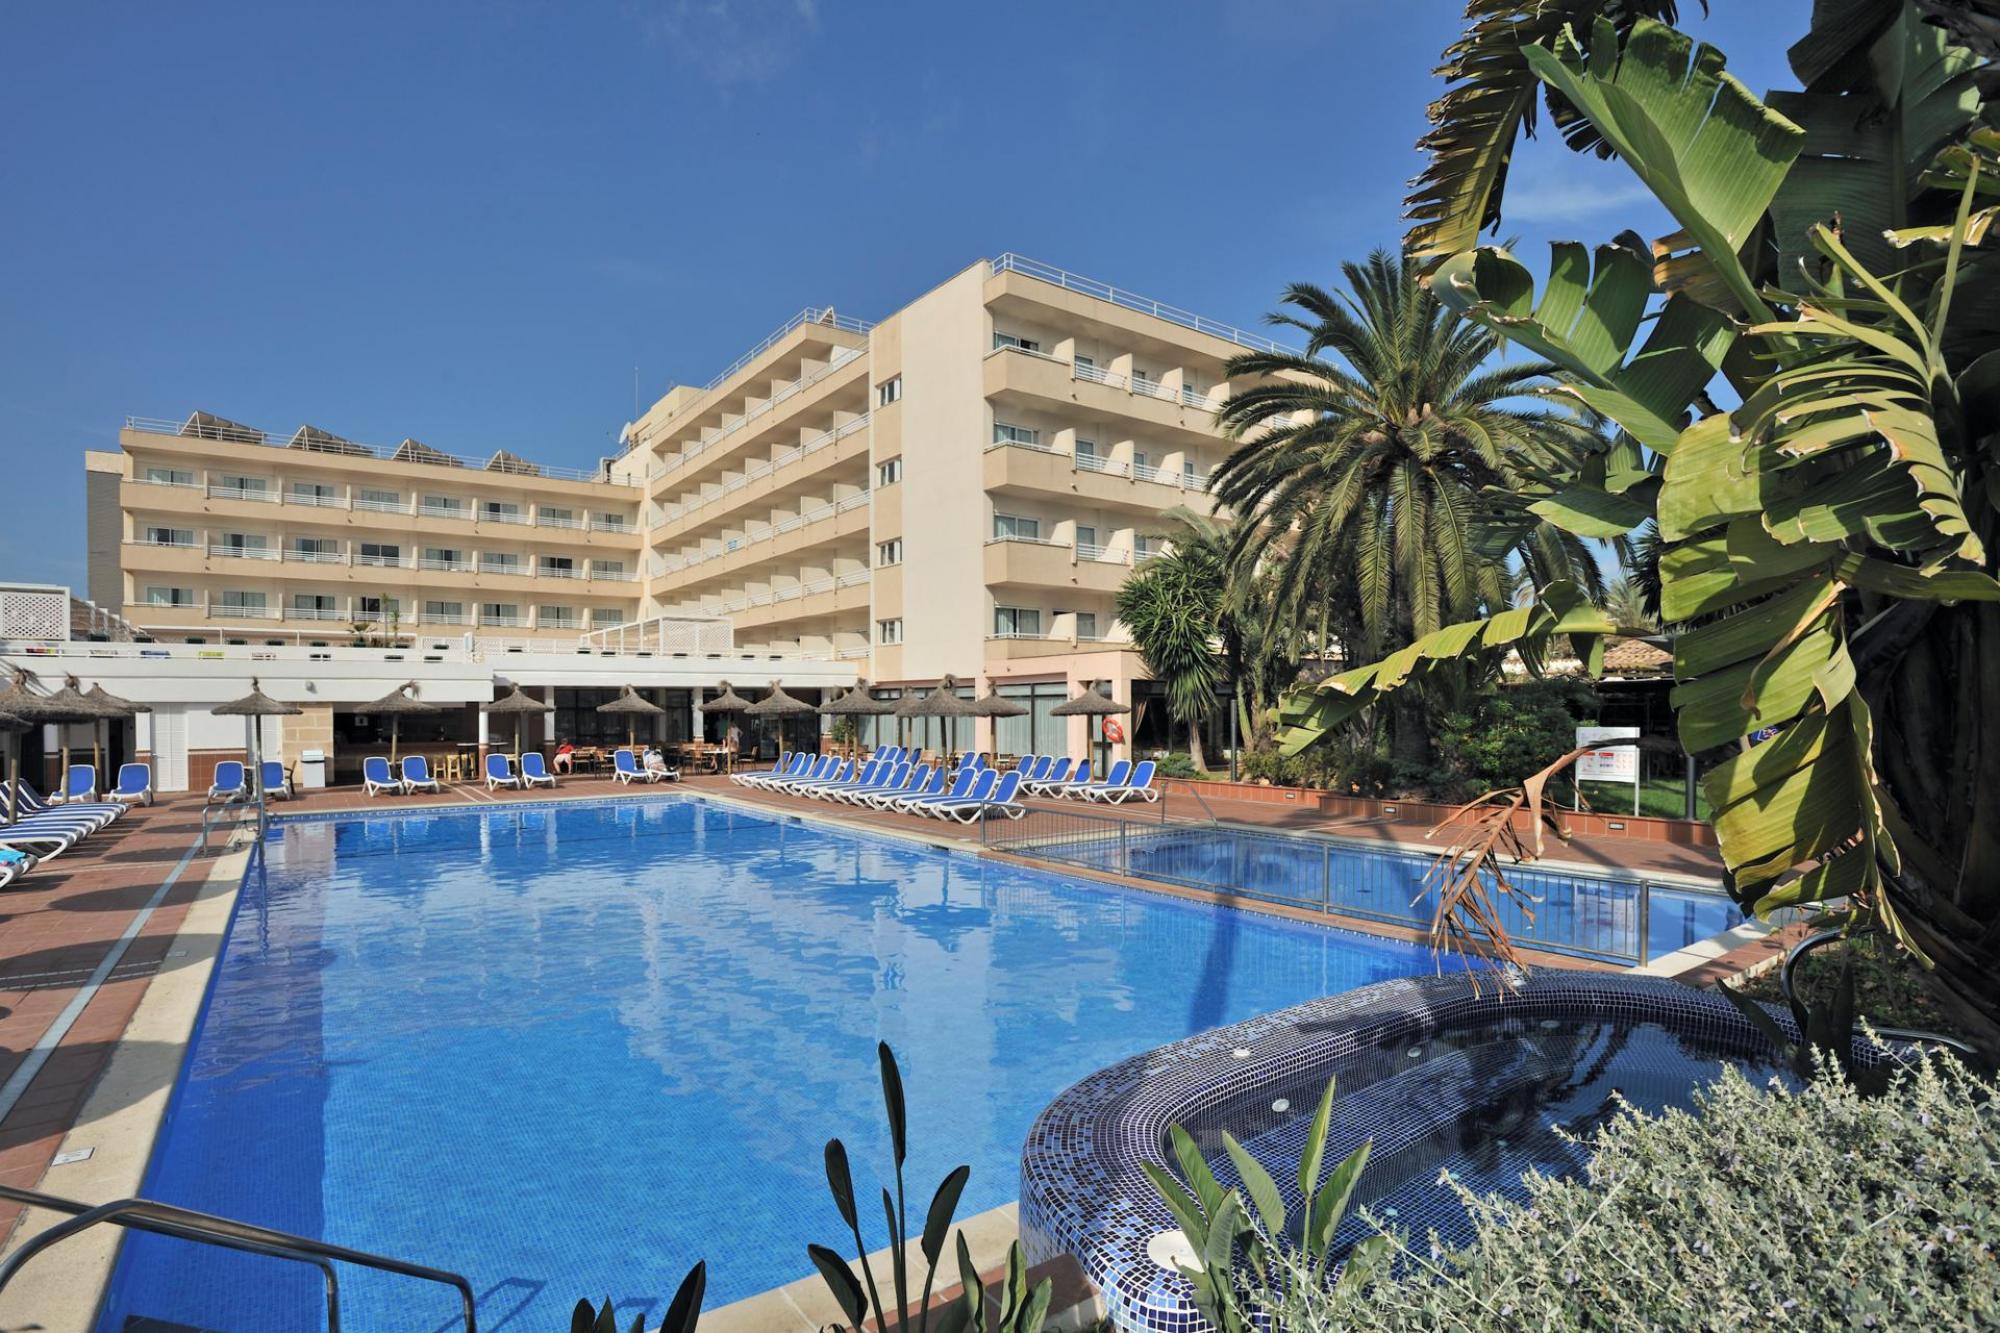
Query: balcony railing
x=314, y=613
x=1147, y=387
x=243, y=552
x=557, y=521
x=315, y=501
x=1103, y=555
x=380, y=506
x=502, y=516
x=602, y=524
x=670, y=513
x=189, y=544
x=1102, y=463
x=694, y=449
x=241, y=611
x=261, y=495
x=314, y=557
x=614, y=575
x=462, y=513
x=1193, y=398
x=446, y=618
x=384, y=561
x=188, y=485
x=496, y=621
x=498, y=567
x=445, y=566
x=557, y=572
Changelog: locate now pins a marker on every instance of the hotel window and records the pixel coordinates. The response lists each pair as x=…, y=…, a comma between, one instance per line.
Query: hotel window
x=889, y=552
x=376, y=608
x=170, y=536
x=1086, y=542
x=1012, y=527
x=555, y=518
x=312, y=493
x=247, y=603
x=1016, y=622
x=1085, y=362
x=316, y=550
x=499, y=613
x=557, y=567
x=1141, y=376
x=500, y=511
x=1144, y=548
x=889, y=391
x=442, y=506
x=1087, y=457
x=607, y=569
x=379, y=500
x=169, y=596
x=378, y=553
x=1006, y=434
x=499, y=562
x=169, y=476
x=445, y=613
x=243, y=544
x=443, y=557
x=243, y=486
x=609, y=522
x=889, y=472
x=556, y=617
x=889, y=631
x=606, y=617
x=315, y=606
x=1086, y=624
x=1189, y=477
x=1009, y=340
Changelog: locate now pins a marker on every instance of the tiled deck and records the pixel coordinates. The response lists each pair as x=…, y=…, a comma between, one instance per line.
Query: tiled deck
x=65, y=919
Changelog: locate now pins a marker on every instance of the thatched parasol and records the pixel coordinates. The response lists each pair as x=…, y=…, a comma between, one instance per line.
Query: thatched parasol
x=726, y=702
x=992, y=705
x=515, y=704
x=633, y=705
x=857, y=702
x=251, y=707
x=63, y=708
x=780, y=705
x=114, y=707
x=941, y=702
x=11, y=728
x=395, y=705
x=1092, y=702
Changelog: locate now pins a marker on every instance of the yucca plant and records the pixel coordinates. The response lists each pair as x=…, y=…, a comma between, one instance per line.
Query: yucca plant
x=1829, y=538
x=1021, y=1309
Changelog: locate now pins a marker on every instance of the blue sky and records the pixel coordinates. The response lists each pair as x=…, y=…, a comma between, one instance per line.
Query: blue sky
x=469, y=223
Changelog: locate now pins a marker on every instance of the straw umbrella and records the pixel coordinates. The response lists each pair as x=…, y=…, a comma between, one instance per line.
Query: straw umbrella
x=61, y=708
x=857, y=702
x=515, y=704
x=780, y=705
x=724, y=704
x=992, y=705
x=252, y=707
x=1092, y=702
x=395, y=705
x=11, y=728
x=633, y=706
x=941, y=702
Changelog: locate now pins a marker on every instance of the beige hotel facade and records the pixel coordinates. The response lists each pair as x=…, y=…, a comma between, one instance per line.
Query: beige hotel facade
x=958, y=488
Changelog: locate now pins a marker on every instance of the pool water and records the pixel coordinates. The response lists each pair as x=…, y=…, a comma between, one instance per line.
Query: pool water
x=568, y=1050
x=1555, y=910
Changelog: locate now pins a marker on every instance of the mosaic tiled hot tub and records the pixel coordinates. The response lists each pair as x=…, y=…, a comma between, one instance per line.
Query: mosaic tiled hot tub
x=1443, y=1075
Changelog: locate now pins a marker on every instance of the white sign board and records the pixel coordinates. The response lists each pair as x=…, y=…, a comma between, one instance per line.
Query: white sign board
x=1617, y=763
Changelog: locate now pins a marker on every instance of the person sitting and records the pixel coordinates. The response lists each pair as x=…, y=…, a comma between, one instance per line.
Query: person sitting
x=565, y=759
x=655, y=761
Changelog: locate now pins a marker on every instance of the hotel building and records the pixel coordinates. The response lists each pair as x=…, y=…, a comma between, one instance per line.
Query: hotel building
x=959, y=488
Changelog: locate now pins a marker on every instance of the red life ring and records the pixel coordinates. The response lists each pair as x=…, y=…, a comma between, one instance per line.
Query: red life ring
x=1113, y=732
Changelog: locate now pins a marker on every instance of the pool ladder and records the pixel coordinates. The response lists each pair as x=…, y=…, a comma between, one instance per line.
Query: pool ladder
x=204, y=1229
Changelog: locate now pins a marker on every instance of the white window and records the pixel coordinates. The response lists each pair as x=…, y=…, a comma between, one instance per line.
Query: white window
x=1016, y=622
x=378, y=553
x=170, y=536
x=889, y=472
x=557, y=567
x=1086, y=624
x=1009, y=340
x=608, y=569
x=1085, y=362
x=889, y=391
x=500, y=511
x=1086, y=542
x=376, y=608
x=169, y=476
x=243, y=543
x=444, y=557
x=889, y=552
x=608, y=522
x=556, y=617
x=556, y=518
x=889, y=631
x=313, y=606
x=445, y=613
x=316, y=550
x=242, y=485
x=1189, y=477
x=499, y=613
x=387, y=502
x=605, y=617
x=1012, y=527
x=235, y=599
x=312, y=493
x=500, y=562
x=156, y=596
x=1006, y=434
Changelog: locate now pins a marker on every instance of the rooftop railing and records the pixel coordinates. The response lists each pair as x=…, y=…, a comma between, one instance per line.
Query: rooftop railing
x=1104, y=291
x=234, y=434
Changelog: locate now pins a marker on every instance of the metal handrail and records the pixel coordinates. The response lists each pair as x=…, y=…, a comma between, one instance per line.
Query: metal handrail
x=1789, y=968
x=227, y=1233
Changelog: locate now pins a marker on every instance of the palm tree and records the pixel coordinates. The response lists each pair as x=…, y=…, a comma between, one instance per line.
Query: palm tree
x=1383, y=474
x=1170, y=605
x=1626, y=602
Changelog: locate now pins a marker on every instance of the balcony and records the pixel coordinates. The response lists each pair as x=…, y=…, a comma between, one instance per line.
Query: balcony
x=314, y=613
x=255, y=494
x=614, y=576
x=385, y=561
x=557, y=572
x=603, y=524
x=1095, y=479
x=380, y=506
x=446, y=618
x=745, y=489
x=1018, y=647
x=1041, y=564
x=822, y=523
x=492, y=620
x=509, y=567
x=735, y=428
x=305, y=557
x=557, y=521
x=241, y=611
x=243, y=552
x=514, y=516
x=1036, y=380
x=461, y=513
x=437, y=566
x=312, y=501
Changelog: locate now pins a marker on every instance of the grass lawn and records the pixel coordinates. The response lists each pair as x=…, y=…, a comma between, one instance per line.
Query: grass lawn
x=1664, y=798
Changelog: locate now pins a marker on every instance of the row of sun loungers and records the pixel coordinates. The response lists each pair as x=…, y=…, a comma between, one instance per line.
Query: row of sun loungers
x=892, y=779
x=46, y=829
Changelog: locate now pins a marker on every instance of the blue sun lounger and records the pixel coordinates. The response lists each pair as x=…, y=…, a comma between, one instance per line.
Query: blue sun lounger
x=376, y=777
x=417, y=774
x=1112, y=792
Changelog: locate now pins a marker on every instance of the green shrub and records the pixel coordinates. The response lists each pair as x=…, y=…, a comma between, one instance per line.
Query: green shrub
x=1820, y=1209
x=1504, y=735
x=1177, y=765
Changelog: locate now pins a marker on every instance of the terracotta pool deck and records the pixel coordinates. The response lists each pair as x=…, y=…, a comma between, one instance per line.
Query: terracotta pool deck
x=62, y=924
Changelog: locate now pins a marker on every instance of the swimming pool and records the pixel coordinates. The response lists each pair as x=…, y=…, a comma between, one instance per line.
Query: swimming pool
x=1602, y=915
x=567, y=1050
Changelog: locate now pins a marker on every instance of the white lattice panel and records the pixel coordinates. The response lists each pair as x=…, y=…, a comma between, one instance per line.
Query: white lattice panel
x=41, y=616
